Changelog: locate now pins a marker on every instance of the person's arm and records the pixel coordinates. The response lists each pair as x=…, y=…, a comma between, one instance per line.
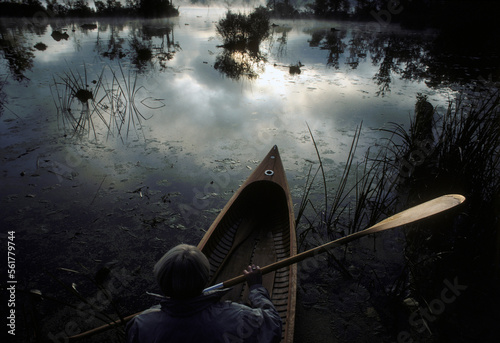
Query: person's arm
x=253, y=275
x=271, y=325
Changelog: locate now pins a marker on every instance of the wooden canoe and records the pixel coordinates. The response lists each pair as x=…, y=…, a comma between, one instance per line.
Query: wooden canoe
x=257, y=226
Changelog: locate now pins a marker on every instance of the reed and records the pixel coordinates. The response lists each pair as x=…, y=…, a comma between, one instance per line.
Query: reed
x=75, y=101
x=113, y=101
x=464, y=158
x=460, y=153
x=363, y=193
x=123, y=99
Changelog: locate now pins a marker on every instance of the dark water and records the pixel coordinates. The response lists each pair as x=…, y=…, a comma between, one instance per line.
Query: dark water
x=171, y=125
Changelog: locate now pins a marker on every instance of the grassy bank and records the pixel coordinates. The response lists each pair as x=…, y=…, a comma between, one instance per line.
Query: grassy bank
x=454, y=255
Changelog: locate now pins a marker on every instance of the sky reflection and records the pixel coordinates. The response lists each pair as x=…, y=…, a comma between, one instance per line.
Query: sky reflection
x=209, y=111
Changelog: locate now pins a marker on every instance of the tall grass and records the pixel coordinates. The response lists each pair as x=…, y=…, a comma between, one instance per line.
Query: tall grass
x=362, y=195
x=464, y=158
x=460, y=153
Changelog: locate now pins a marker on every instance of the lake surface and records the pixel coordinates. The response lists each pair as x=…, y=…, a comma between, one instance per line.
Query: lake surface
x=159, y=101
x=208, y=110
x=174, y=123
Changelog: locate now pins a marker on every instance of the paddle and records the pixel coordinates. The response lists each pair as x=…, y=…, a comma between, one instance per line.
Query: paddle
x=408, y=216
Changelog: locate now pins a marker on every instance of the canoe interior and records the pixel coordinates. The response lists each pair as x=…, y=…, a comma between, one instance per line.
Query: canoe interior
x=255, y=229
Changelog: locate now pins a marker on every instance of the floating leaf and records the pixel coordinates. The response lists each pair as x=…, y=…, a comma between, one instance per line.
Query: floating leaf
x=36, y=292
x=69, y=270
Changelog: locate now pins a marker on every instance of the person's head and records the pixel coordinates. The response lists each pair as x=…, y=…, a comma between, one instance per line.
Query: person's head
x=183, y=272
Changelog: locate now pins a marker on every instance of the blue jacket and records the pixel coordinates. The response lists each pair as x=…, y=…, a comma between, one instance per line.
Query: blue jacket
x=207, y=319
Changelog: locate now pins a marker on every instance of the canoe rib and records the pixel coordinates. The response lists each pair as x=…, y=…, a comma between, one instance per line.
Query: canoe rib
x=257, y=225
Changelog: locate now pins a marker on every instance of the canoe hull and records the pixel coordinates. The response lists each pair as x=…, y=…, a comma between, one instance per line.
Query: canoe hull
x=257, y=226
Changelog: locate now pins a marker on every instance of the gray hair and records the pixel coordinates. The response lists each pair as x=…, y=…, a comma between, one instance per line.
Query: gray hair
x=183, y=272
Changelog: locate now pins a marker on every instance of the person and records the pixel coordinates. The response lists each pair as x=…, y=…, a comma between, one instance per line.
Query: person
x=189, y=315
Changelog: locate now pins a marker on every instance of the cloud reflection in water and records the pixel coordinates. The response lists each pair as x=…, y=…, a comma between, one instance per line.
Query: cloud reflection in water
x=208, y=110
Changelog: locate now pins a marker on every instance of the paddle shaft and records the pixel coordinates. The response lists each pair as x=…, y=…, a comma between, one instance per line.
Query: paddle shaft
x=408, y=216
x=102, y=328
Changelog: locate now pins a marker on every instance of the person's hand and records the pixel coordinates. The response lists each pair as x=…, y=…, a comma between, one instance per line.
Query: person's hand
x=253, y=275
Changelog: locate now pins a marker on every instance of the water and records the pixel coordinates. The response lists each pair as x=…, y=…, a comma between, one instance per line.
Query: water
x=171, y=136
x=206, y=109
x=210, y=114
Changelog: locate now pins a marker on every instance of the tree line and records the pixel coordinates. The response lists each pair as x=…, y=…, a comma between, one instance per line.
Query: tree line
x=409, y=13
x=416, y=13
x=82, y=8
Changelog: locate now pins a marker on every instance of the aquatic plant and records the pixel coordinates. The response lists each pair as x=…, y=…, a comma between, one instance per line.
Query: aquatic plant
x=121, y=102
x=294, y=69
x=242, y=35
x=240, y=30
x=236, y=64
x=362, y=195
x=111, y=101
x=40, y=46
x=463, y=157
x=74, y=87
x=58, y=35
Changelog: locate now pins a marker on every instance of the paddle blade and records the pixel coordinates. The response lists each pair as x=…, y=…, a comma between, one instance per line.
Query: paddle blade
x=419, y=212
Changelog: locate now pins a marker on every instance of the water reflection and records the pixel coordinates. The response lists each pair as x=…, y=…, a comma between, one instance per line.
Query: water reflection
x=331, y=40
x=164, y=50
x=394, y=53
x=150, y=45
x=280, y=41
x=58, y=35
x=3, y=99
x=146, y=46
x=248, y=62
x=17, y=52
x=111, y=101
x=111, y=45
x=331, y=78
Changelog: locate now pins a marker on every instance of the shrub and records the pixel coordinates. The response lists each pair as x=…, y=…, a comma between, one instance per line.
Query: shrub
x=237, y=29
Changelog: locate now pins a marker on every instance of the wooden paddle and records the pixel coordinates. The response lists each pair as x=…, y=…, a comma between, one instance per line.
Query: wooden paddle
x=408, y=216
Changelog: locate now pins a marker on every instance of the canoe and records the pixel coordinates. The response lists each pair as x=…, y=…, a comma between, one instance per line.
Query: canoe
x=257, y=226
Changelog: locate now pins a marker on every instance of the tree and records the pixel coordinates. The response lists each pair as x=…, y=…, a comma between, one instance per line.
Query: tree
x=99, y=6
x=237, y=29
x=157, y=8
x=331, y=8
